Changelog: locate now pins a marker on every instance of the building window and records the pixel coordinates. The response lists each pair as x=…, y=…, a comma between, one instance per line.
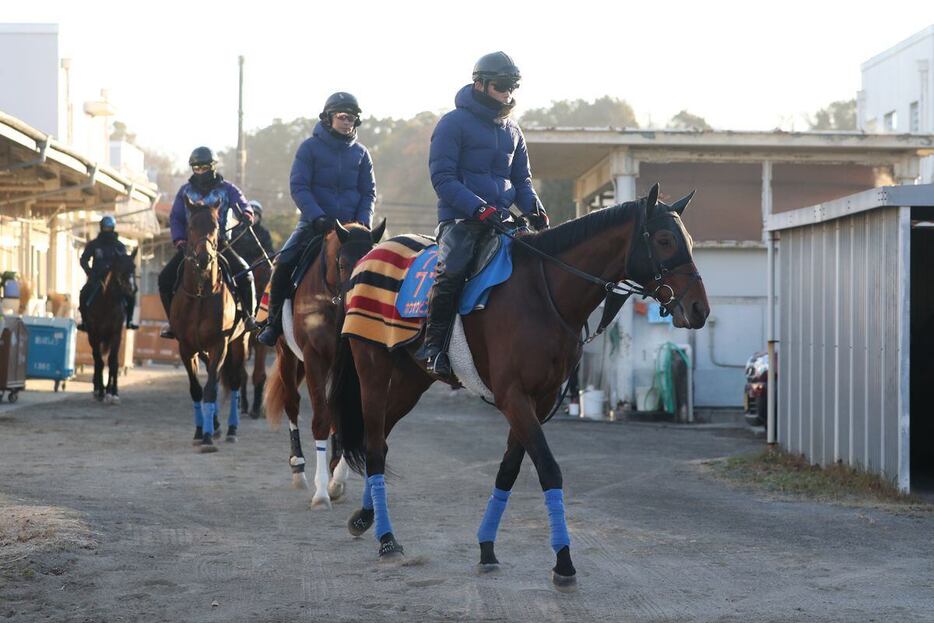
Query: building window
x=890, y=121
x=914, y=118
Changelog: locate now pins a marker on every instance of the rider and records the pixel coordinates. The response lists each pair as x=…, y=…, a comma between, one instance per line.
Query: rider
x=262, y=234
x=479, y=167
x=207, y=187
x=331, y=181
x=96, y=260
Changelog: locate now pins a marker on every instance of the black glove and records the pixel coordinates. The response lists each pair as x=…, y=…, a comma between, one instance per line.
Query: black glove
x=538, y=220
x=490, y=215
x=323, y=224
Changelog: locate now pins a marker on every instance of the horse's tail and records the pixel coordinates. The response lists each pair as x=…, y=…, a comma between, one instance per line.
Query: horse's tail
x=274, y=399
x=346, y=406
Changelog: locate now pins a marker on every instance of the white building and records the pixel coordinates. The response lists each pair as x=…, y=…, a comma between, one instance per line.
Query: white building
x=897, y=93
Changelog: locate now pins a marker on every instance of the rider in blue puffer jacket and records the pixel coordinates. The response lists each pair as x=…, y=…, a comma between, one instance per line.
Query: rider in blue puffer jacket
x=479, y=167
x=332, y=181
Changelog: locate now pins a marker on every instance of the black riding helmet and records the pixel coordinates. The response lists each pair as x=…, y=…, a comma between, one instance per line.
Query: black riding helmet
x=340, y=102
x=496, y=66
x=201, y=155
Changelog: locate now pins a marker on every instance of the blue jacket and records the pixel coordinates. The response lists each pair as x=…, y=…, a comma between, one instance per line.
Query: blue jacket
x=225, y=195
x=333, y=177
x=478, y=159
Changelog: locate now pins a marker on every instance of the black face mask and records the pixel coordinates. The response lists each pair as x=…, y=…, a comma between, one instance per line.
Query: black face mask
x=204, y=181
x=492, y=103
x=108, y=236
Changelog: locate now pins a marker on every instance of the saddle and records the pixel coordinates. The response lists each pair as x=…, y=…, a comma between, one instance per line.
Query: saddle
x=388, y=299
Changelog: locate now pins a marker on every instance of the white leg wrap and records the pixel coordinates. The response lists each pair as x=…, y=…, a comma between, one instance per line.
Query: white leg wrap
x=322, y=475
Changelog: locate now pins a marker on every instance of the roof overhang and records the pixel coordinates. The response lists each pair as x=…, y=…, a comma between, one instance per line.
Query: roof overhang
x=40, y=177
x=570, y=153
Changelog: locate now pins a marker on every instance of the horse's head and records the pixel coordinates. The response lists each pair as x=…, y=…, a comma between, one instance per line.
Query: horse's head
x=122, y=272
x=663, y=262
x=202, y=234
x=346, y=246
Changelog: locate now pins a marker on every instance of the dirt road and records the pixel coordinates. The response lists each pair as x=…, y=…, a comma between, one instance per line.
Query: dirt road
x=653, y=537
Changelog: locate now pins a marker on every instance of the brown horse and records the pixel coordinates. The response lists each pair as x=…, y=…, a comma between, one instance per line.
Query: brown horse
x=524, y=343
x=315, y=324
x=205, y=321
x=105, y=322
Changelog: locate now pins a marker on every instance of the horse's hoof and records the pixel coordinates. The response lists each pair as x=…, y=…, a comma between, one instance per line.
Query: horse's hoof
x=336, y=490
x=255, y=415
x=484, y=568
x=299, y=481
x=564, y=583
x=108, y=399
x=207, y=444
x=196, y=441
x=360, y=521
x=390, y=551
x=99, y=397
x=321, y=502
x=115, y=400
x=217, y=433
x=231, y=434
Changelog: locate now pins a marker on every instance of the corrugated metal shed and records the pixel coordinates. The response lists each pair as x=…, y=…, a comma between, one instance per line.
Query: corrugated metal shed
x=844, y=339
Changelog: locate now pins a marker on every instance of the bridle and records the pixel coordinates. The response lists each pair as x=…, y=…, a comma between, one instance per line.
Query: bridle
x=337, y=298
x=191, y=257
x=617, y=293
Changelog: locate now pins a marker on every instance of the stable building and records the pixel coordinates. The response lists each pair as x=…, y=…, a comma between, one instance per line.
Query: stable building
x=740, y=178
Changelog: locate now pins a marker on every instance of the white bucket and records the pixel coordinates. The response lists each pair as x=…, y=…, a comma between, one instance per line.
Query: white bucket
x=574, y=409
x=592, y=402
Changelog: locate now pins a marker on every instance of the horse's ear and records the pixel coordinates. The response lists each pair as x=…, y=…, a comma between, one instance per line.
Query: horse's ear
x=651, y=200
x=133, y=254
x=679, y=205
x=377, y=234
x=342, y=234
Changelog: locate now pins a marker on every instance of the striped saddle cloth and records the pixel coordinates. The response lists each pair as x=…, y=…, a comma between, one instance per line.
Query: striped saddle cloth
x=371, y=312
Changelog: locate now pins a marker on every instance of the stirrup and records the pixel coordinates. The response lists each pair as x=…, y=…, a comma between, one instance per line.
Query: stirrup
x=167, y=333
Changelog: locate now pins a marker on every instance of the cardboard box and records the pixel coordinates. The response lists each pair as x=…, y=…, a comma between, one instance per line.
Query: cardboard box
x=84, y=357
x=150, y=308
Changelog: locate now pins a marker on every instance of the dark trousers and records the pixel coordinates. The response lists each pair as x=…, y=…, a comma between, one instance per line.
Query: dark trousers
x=458, y=243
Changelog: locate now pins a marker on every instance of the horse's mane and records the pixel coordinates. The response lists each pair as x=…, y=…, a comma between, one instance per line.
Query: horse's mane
x=572, y=233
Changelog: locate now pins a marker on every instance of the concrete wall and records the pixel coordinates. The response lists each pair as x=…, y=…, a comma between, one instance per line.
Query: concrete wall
x=29, y=71
x=895, y=78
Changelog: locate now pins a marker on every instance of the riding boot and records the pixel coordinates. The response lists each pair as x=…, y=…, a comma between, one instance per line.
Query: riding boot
x=130, y=306
x=166, y=297
x=280, y=285
x=248, y=302
x=441, y=310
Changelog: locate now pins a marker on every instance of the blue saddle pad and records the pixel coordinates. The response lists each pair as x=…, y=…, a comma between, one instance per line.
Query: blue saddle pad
x=412, y=301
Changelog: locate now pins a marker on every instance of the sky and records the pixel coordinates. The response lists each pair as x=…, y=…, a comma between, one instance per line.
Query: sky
x=171, y=67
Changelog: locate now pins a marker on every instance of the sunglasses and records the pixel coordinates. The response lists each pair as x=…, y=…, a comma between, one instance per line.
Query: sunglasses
x=343, y=116
x=201, y=168
x=505, y=86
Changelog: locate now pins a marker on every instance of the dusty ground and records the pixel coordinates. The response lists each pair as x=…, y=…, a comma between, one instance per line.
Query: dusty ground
x=653, y=537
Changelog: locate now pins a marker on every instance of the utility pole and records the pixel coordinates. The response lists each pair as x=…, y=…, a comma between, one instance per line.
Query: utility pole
x=241, y=142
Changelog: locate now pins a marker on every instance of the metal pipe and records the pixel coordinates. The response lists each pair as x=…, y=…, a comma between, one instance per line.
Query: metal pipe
x=769, y=236
x=711, y=323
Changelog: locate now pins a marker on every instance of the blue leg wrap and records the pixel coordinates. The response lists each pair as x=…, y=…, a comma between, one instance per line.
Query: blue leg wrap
x=198, y=414
x=378, y=491
x=234, y=418
x=554, y=502
x=367, y=497
x=208, y=409
x=494, y=512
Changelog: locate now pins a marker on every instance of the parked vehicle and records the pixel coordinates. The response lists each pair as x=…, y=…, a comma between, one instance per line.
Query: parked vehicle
x=755, y=394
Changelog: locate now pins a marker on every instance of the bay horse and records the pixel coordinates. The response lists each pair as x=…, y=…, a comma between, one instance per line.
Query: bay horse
x=105, y=322
x=524, y=344
x=249, y=248
x=316, y=320
x=205, y=321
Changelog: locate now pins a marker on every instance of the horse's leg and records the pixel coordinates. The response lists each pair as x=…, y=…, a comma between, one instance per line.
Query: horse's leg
x=259, y=379
x=315, y=377
x=521, y=414
x=98, y=369
x=235, y=372
x=244, y=403
x=406, y=386
x=209, y=400
x=284, y=391
x=113, y=364
x=505, y=479
x=190, y=362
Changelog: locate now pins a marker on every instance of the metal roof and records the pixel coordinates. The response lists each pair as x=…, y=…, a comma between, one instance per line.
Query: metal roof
x=921, y=195
x=38, y=171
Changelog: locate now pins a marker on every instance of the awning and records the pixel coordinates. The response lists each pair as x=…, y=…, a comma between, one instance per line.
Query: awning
x=41, y=178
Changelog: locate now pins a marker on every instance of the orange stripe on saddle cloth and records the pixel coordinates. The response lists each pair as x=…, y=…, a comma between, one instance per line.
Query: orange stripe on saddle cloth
x=371, y=312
